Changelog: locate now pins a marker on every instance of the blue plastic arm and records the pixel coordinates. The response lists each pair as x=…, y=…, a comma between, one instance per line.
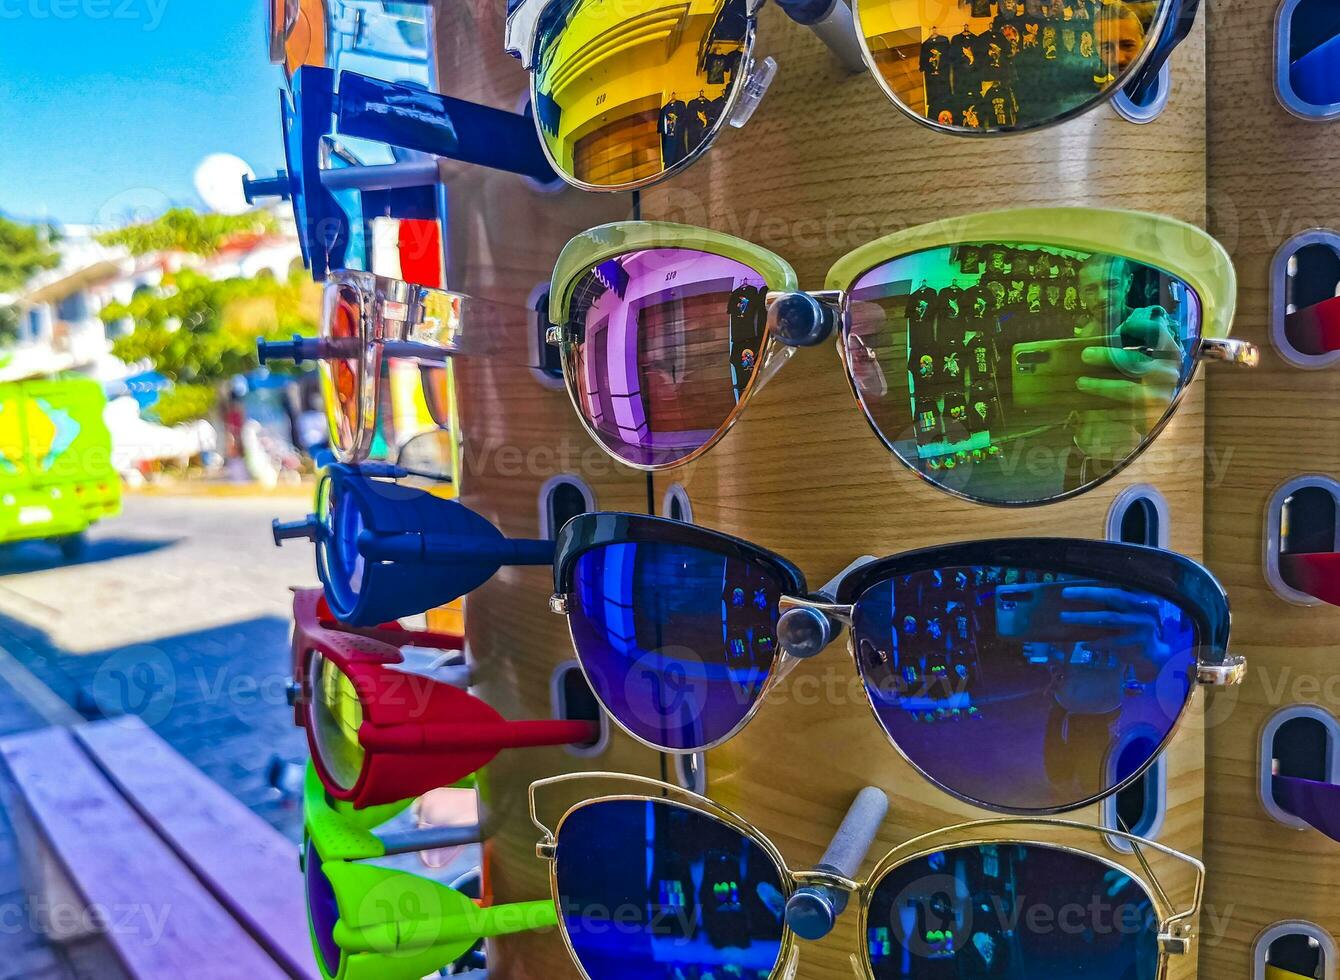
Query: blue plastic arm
x=414, y=119
x=447, y=549
x=813, y=910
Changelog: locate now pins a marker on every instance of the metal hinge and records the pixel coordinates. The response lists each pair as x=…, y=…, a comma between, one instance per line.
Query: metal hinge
x=1178, y=942
x=553, y=336
x=546, y=850
x=1227, y=674
x=558, y=604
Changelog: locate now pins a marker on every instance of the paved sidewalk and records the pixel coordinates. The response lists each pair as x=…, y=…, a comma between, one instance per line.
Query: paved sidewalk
x=179, y=613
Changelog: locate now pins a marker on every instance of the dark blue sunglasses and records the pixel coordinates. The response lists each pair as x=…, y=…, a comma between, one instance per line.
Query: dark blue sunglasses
x=1026, y=675
x=385, y=549
x=334, y=199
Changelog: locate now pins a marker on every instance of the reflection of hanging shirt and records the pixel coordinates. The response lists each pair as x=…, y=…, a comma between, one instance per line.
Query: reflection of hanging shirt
x=673, y=126
x=965, y=62
x=699, y=122
x=936, y=66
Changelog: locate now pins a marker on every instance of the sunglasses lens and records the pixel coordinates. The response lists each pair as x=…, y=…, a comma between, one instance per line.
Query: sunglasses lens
x=678, y=642
x=1016, y=373
x=643, y=884
x=1013, y=911
x=1023, y=689
x=336, y=717
x=664, y=344
x=322, y=911
x=341, y=564
x=342, y=376
x=1010, y=64
x=623, y=92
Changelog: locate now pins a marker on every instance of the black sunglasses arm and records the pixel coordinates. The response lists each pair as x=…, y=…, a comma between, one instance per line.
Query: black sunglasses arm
x=813, y=910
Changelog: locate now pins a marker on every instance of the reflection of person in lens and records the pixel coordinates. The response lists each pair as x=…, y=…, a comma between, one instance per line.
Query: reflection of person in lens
x=1089, y=681
x=1121, y=38
x=1136, y=363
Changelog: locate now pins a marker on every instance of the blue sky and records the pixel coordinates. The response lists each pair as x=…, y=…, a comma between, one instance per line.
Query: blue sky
x=106, y=106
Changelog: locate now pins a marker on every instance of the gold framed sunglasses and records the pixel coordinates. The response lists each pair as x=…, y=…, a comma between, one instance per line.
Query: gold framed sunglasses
x=629, y=92
x=649, y=878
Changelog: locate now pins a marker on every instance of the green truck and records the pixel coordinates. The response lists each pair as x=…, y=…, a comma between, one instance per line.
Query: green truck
x=56, y=473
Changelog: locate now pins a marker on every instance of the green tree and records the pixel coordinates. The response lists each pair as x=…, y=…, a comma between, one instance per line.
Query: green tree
x=199, y=331
x=185, y=230
x=25, y=250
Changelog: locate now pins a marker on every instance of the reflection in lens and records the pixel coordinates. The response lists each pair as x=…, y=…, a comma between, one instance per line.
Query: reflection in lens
x=337, y=716
x=678, y=642
x=625, y=91
x=1023, y=689
x=664, y=344
x=322, y=910
x=651, y=890
x=992, y=65
x=1014, y=912
x=342, y=377
x=1017, y=373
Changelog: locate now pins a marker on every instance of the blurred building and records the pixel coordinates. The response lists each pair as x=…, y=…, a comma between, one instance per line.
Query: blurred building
x=60, y=322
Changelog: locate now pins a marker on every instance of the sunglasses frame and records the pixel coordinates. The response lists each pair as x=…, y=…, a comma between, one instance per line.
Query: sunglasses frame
x=1166, y=244
x=409, y=745
x=1171, y=13
x=528, y=52
x=1163, y=573
x=1176, y=928
x=1172, y=22
x=397, y=319
x=339, y=836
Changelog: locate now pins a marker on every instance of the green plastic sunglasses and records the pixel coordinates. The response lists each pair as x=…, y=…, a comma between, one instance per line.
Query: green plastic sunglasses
x=1012, y=358
x=374, y=923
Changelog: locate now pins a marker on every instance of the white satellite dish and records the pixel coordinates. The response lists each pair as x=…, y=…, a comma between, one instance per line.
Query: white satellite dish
x=218, y=181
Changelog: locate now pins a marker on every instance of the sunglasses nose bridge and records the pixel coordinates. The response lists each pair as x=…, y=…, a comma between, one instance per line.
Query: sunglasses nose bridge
x=807, y=626
x=804, y=319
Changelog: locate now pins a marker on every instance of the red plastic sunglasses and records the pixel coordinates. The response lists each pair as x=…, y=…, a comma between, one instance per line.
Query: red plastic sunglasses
x=382, y=729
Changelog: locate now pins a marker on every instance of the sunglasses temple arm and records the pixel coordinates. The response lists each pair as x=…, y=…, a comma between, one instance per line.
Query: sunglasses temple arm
x=813, y=910
x=833, y=23
x=497, y=736
x=415, y=119
x=446, y=549
x=498, y=920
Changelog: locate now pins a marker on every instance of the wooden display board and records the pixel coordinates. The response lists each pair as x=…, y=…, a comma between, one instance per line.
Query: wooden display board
x=1271, y=176
x=826, y=164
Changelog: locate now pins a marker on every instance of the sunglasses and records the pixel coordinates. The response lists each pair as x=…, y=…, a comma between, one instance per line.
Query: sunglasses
x=1015, y=357
x=383, y=341
x=335, y=199
x=1314, y=802
x=627, y=94
x=386, y=550
x=296, y=33
x=654, y=875
x=383, y=728
x=369, y=921
x=1024, y=675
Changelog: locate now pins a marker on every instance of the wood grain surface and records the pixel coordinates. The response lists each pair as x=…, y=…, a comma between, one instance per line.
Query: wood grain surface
x=1271, y=176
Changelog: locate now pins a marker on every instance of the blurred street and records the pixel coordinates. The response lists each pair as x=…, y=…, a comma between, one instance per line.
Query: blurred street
x=177, y=612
